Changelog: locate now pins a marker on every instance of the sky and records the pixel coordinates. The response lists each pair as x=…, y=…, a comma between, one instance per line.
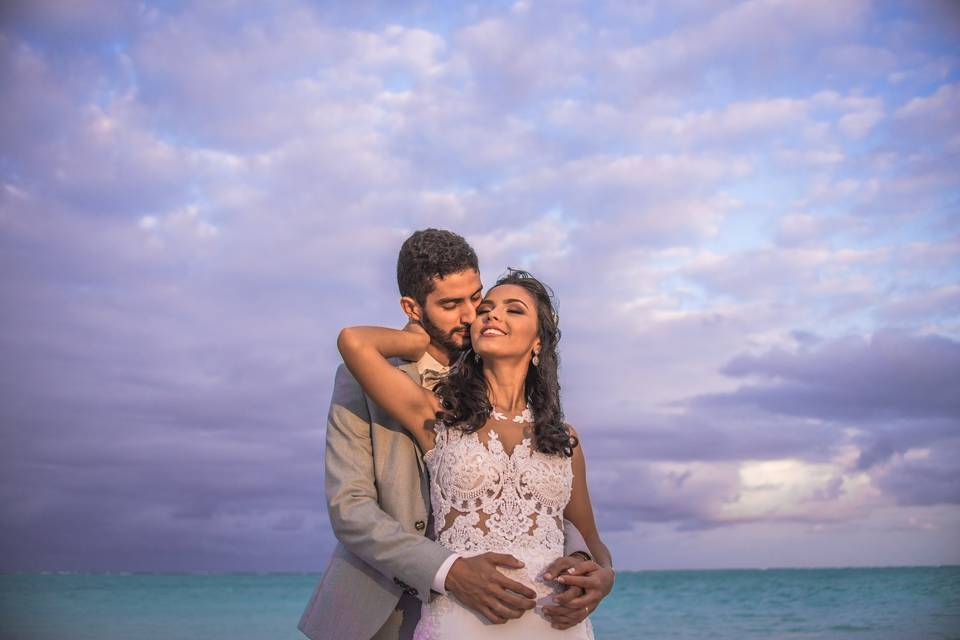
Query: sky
x=748, y=212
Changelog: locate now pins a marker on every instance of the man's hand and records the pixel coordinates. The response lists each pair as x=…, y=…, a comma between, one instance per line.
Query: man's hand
x=478, y=585
x=587, y=584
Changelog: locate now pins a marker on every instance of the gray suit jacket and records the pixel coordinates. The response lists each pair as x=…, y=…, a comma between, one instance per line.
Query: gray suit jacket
x=378, y=497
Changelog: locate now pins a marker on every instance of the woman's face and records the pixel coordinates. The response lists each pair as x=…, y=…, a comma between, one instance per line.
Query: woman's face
x=506, y=324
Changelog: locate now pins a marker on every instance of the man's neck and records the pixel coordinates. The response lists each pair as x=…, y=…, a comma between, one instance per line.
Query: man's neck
x=439, y=354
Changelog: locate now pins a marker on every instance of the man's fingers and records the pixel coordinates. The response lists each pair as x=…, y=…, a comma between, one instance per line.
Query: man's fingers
x=504, y=559
x=563, y=598
x=563, y=625
x=515, y=586
x=562, y=621
x=514, y=601
x=586, y=600
x=491, y=615
x=507, y=613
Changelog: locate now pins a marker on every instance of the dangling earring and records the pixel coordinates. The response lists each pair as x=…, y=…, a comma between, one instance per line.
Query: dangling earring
x=535, y=361
x=476, y=357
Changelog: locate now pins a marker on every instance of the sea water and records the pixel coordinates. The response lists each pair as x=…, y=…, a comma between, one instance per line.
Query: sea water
x=888, y=603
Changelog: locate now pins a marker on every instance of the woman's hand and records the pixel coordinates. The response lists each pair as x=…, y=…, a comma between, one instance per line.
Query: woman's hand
x=414, y=326
x=423, y=339
x=587, y=584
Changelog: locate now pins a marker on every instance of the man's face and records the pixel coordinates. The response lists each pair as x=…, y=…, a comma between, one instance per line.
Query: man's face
x=450, y=309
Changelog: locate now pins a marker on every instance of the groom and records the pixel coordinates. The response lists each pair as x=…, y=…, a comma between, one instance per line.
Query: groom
x=378, y=492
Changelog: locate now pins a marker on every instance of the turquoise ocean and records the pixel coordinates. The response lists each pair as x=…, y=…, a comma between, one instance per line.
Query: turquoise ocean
x=889, y=603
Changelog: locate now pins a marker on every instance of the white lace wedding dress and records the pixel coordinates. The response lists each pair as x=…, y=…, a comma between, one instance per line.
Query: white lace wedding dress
x=485, y=499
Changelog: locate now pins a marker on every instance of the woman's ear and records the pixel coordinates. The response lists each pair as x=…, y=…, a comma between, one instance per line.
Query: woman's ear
x=411, y=308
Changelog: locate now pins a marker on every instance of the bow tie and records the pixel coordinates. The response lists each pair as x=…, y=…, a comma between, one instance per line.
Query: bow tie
x=429, y=378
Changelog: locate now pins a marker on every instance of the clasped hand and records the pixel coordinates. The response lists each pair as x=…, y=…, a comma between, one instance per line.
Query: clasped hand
x=586, y=582
x=479, y=585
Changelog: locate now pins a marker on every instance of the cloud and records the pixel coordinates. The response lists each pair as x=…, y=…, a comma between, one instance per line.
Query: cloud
x=929, y=478
x=746, y=211
x=758, y=27
x=890, y=375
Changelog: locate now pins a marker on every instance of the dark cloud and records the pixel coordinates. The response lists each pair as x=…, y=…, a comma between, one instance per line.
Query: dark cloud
x=891, y=375
x=894, y=389
x=926, y=481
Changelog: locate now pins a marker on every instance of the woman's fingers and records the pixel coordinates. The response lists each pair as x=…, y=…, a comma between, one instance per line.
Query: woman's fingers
x=582, y=568
x=586, y=582
x=558, y=566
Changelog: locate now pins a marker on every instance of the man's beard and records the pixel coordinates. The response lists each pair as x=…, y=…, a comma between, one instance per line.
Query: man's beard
x=444, y=340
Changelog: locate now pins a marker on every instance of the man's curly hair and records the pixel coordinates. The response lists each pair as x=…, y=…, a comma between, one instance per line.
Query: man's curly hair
x=429, y=254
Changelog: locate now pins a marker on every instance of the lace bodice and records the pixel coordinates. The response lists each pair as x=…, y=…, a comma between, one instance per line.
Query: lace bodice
x=484, y=499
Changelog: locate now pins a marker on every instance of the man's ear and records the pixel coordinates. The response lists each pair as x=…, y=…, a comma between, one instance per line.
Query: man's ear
x=411, y=308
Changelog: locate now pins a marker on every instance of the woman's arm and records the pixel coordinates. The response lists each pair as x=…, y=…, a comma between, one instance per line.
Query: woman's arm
x=595, y=577
x=579, y=511
x=365, y=351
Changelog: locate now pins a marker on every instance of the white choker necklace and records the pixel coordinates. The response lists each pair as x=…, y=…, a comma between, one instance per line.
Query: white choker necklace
x=526, y=416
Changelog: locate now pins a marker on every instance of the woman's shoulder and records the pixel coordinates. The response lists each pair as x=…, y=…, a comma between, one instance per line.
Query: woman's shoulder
x=442, y=434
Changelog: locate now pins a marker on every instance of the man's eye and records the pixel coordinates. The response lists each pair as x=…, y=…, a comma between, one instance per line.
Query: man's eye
x=450, y=307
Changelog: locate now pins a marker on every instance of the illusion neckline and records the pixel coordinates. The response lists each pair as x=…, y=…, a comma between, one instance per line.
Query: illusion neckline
x=524, y=443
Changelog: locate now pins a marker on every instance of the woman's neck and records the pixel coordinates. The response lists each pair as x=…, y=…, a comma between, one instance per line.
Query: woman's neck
x=506, y=384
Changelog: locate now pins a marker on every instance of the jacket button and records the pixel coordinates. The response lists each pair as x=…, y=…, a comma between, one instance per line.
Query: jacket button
x=420, y=525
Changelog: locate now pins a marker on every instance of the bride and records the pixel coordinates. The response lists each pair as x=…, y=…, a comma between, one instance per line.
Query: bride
x=505, y=469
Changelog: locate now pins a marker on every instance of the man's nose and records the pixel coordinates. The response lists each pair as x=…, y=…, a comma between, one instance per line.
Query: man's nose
x=468, y=315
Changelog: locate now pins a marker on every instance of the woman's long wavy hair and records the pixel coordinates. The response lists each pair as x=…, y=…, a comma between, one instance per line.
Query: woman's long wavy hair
x=465, y=396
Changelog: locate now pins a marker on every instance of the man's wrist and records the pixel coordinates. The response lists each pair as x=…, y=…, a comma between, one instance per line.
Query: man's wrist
x=440, y=579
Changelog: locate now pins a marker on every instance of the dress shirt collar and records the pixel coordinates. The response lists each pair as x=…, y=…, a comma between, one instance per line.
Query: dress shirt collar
x=428, y=362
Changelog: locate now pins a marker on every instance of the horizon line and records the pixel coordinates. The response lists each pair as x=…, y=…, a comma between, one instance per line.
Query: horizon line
x=313, y=573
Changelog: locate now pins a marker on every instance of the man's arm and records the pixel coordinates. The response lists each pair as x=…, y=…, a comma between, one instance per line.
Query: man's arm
x=355, y=514
x=573, y=541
